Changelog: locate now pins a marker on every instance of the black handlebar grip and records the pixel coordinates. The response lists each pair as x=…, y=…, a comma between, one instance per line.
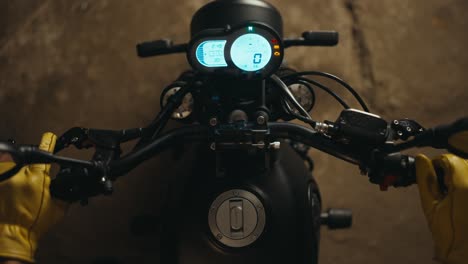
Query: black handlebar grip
x=153, y=48
x=443, y=132
x=159, y=47
x=447, y=134
x=440, y=137
x=321, y=38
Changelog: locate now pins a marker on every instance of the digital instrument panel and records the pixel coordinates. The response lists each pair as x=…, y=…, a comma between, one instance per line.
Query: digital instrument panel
x=252, y=51
x=210, y=53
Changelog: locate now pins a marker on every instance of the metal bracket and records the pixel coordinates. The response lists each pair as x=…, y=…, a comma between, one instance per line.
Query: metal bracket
x=242, y=136
x=406, y=128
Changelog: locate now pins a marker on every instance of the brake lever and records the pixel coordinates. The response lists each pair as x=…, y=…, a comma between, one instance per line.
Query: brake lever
x=88, y=138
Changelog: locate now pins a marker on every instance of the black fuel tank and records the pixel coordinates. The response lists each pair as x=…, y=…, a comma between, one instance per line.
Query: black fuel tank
x=289, y=198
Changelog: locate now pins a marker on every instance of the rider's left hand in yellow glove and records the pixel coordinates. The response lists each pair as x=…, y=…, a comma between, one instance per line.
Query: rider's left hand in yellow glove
x=27, y=210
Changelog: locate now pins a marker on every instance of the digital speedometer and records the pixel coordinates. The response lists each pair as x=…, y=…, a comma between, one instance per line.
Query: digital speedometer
x=251, y=51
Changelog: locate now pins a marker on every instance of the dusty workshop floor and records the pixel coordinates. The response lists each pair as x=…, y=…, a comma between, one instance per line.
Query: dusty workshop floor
x=73, y=63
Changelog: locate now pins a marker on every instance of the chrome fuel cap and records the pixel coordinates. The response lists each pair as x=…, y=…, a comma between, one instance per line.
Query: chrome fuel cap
x=236, y=218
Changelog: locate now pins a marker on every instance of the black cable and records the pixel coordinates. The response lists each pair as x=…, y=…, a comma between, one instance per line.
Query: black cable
x=289, y=95
x=312, y=123
x=290, y=111
x=154, y=128
x=309, y=87
x=326, y=89
x=335, y=78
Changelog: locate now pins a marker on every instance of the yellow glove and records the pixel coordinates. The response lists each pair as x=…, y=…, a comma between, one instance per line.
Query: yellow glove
x=447, y=215
x=26, y=208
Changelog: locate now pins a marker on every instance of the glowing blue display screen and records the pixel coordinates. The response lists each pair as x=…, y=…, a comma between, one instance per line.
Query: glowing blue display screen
x=211, y=53
x=251, y=52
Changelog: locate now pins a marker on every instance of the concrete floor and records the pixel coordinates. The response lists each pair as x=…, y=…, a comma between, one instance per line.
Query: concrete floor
x=73, y=63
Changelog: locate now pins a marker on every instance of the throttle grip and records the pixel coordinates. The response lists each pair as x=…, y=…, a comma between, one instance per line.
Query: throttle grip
x=453, y=137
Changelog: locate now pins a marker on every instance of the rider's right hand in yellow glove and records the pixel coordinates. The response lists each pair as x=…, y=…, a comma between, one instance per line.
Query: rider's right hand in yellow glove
x=447, y=214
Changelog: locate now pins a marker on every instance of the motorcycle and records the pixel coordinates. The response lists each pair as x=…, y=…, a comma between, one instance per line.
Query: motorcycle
x=251, y=197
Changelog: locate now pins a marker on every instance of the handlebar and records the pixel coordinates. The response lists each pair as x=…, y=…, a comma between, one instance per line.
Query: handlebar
x=24, y=155
x=383, y=164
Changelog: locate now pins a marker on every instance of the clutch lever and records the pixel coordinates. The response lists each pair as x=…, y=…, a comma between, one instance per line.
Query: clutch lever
x=88, y=138
x=76, y=136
